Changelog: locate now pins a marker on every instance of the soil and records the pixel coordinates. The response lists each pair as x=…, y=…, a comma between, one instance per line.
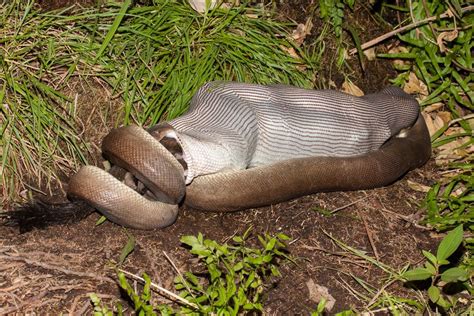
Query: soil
x=52, y=270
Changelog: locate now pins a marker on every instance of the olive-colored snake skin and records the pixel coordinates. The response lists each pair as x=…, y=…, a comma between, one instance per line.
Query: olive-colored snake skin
x=242, y=146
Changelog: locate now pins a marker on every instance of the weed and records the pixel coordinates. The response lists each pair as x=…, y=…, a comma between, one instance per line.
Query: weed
x=332, y=11
x=438, y=276
x=453, y=205
x=233, y=283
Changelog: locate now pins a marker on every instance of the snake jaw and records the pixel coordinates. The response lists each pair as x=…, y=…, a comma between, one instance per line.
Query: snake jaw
x=118, y=202
x=135, y=150
x=142, y=157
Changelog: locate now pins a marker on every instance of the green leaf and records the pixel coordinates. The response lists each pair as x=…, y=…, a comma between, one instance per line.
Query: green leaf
x=417, y=274
x=454, y=275
x=238, y=266
x=114, y=27
x=237, y=239
x=189, y=240
x=443, y=303
x=129, y=247
x=214, y=272
x=433, y=293
x=270, y=245
x=101, y=220
x=450, y=243
x=431, y=257
x=429, y=267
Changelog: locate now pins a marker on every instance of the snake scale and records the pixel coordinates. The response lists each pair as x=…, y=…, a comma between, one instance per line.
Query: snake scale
x=244, y=145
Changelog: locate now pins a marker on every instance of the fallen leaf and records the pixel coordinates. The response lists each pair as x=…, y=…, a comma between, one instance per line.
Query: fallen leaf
x=370, y=53
x=318, y=292
x=301, y=31
x=433, y=123
x=454, y=130
x=445, y=116
x=418, y=186
x=415, y=86
x=453, y=151
x=433, y=107
x=397, y=50
x=352, y=89
x=446, y=37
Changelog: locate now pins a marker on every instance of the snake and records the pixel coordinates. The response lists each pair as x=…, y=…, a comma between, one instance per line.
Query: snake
x=242, y=146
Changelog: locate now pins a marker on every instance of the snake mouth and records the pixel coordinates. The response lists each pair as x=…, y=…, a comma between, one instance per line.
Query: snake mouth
x=138, y=152
x=118, y=202
x=142, y=189
x=167, y=136
x=144, y=186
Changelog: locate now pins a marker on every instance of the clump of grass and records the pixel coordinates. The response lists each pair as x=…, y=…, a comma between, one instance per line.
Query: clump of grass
x=153, y=57
x=167, y=51
x=38, y=131
x=333, y=11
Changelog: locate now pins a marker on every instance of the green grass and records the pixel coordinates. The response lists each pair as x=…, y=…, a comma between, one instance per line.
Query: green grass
x=154, y=58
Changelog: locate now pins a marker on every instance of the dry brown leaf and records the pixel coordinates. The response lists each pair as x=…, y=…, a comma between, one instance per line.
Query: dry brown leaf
x=433, y=107
x=301, y=31
x=415, y=85
x=396, y=50
x=445, y=116
x=291, y=51
x=451, y=151
x=252, y=16
x=352, y=89
x=433, y=124
x=446, y=37
x=318, y=292
x=370, y=53
x=454, y=130
x=418, y=186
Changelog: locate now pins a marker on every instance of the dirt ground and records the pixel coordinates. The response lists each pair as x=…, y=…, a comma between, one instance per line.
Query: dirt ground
x=52, y=270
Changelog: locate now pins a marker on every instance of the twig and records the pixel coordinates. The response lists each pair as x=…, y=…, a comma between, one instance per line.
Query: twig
x=179, y=272
x=405, y=218
x=347, y=205
x=406, y=28
x=371, y=240
x=162, y=289
x=464, y=118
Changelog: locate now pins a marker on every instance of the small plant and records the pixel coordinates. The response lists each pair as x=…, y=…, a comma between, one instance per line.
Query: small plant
x=332, y=11
x=100, y=309
x=231, y=283
x=434, y=271
x=235, y=273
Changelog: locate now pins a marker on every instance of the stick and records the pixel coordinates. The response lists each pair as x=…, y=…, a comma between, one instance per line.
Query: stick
x=162, y=289
x=406, y=28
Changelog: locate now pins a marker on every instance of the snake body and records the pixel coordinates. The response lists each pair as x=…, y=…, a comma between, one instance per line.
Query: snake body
x=242, y=145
